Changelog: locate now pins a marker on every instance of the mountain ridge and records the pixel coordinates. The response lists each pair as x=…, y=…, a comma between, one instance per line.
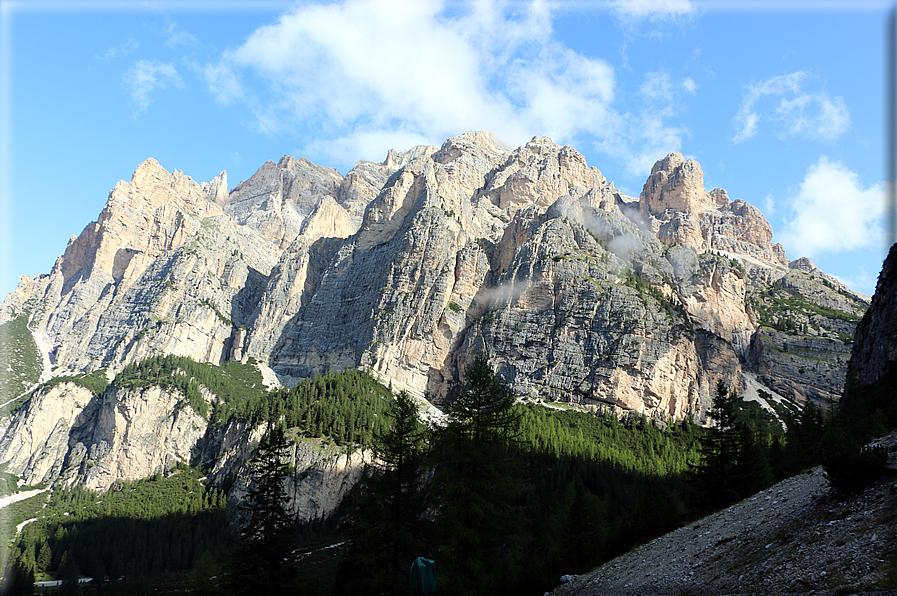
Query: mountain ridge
x=467, y=209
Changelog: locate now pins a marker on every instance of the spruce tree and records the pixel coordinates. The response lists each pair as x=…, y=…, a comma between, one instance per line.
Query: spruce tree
x=19, y=578
x=262, y=562
x=384, y=510
x=715, y=477
x=733, y=465
x=202, y=578
x=473, y=483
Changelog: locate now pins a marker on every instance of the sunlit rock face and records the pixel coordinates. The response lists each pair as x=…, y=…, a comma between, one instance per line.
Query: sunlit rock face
x=681, y=211
x=410, y=267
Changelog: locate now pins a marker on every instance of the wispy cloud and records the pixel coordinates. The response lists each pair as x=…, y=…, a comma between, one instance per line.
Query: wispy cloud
x=144, y=77
x=639, y=139
x=657, y=85
x=360, y=76
x=795, y=112
x=639, y=10
x=178, y=38
x=123, y=50
x=832, y=212
x=223, y=82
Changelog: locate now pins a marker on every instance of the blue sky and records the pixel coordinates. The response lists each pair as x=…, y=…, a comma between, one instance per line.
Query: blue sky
x=782, y=103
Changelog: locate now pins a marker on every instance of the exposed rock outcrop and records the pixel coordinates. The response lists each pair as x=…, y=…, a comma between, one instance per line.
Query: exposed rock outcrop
x=322, y=475
x=680, y=211
x=69, y=434
x=35, y=444
x=410, y=267
x=875, y=344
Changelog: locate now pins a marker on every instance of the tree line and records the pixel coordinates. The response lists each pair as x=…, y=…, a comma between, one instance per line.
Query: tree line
x=504, y=496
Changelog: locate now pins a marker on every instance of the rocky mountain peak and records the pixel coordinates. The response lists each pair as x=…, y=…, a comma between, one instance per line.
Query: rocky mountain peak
x=142, y=218
x=720, y=196
x=278, y=197
x=408, y=267
x=396, y=158
x=804, y=264
x=680, y=211
x=477, y=144
x=152, y=186
x=675, y=183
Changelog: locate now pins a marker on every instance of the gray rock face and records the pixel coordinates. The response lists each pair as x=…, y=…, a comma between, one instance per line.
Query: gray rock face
x=802, y=348
x=162, y=269
x=408, y=269
x=67, y=434
x=875, y=346
x=322, y=476
x=279, y=197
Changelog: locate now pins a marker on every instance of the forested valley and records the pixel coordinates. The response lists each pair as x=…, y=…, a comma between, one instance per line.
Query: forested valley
x=505, y=496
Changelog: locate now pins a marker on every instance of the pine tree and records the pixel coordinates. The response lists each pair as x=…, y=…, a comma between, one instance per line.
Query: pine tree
x=202, y=578
x=473, y=483
x=715, y=477
x=19, y=578
x=44, y=558
x=262, y=562
x=383, y=524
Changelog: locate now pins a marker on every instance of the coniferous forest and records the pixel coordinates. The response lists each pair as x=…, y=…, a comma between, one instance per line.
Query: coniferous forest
x=504, y=496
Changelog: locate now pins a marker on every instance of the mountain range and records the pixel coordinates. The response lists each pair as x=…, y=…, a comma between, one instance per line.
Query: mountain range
x=408, y=269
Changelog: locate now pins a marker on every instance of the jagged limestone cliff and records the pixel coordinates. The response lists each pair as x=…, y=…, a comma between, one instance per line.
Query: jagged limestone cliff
x=409, y=268
x=66, y=434
x=875, y=348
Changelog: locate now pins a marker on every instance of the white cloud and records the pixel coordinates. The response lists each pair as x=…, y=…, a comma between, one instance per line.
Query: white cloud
x=689, y=85
x=639, y=140
x=144, y=77
x=651, y=9
x=795, y=112
x=177, y=37
x=364, y=72
x=359, y=64
x=657, y=85
x=223, y=83
x=123, y=50
x=832, y=212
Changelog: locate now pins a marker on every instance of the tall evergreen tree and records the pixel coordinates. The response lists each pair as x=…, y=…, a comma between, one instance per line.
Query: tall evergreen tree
x=473, y=484
x=733, y=464
x=19, y=578
x=202, y=578
x=384, y=510
x=715, y=478
x=803, y=440
x=262, y=562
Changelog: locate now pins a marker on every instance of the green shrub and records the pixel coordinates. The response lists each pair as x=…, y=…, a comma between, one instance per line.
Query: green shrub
x=850, y=468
